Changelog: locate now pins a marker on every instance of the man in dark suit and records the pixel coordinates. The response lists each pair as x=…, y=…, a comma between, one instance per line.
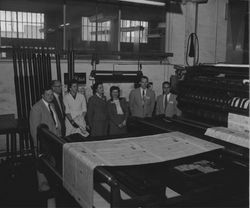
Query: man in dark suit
x=56, y=86
x=166, y=102
x=142, y=100
x=43, y=112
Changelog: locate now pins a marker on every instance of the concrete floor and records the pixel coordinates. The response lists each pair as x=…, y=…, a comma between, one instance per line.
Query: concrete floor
x=18, y=188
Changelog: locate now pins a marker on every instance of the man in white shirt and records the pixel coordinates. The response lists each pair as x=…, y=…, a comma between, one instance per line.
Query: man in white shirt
x=166, y=103
x=142, y=100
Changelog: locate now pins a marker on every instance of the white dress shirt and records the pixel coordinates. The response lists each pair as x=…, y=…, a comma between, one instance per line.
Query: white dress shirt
x=145, y=91
x=168, y=97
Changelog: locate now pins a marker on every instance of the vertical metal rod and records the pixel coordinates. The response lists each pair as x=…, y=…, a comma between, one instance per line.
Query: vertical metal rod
x=46, y=64
x=49, y=67
x=119, y=33
x=96, y=26
x=13, y=135
x=16, y=81
x=44, y=68
x=69, y=65
x=72, y=64
x=31, y=78
x=13, y=145
x=8, y=145
x=24, y=137
x=64, y=28
x=40, y=72
x=36, y=79
x=196, y=17
x=21, y=84
x=58, y=66
x=26, y=84
x=195, y=30
x=38, y=59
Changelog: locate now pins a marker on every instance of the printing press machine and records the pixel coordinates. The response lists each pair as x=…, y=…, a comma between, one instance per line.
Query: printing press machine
x=222, y=176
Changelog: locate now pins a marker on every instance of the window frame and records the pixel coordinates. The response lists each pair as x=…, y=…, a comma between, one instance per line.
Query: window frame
x=90, y=33
x=135, y=26
x=22, y=25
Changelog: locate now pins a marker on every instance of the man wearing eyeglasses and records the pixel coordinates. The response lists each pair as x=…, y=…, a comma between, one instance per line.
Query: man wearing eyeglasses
x=166, y=103
x=56, y=86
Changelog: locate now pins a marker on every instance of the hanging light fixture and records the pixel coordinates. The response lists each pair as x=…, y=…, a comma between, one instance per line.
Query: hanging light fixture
x=155, y=3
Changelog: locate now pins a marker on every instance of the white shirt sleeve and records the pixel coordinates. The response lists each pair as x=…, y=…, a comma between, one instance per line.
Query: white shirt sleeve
x=66, y=103
x=84, y=104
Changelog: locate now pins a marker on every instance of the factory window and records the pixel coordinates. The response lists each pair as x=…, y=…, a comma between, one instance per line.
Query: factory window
x=130, y=31
x=21, y=25
x=89, y=30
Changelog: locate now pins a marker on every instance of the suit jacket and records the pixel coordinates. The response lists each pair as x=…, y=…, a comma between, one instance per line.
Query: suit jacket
x=40, y=114
x=171, y=108
x=60, y=113
x=136, y=103
x=97, y=115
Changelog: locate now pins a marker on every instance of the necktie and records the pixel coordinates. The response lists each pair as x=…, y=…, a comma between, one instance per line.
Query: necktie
x=60, y=103
x=143, y=97
x=52, y=114
x=166, y=102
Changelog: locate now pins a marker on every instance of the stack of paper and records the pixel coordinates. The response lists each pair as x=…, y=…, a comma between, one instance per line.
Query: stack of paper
x=80, y=159
x=238, y=122
x=229, y=135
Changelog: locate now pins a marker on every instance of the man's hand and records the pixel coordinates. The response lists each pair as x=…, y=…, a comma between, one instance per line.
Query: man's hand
x=83, y=130
x=122, y=124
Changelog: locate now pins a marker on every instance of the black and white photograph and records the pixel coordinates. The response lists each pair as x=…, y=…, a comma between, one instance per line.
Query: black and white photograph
x=124, y=103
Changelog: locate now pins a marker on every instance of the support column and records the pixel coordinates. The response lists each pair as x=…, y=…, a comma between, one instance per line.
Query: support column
x=64, y=26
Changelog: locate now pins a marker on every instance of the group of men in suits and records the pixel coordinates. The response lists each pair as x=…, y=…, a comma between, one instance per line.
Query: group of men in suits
x=142, y=101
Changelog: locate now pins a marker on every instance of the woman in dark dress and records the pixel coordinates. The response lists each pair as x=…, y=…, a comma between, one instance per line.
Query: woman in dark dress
x=117, y=112
x=97, y=111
